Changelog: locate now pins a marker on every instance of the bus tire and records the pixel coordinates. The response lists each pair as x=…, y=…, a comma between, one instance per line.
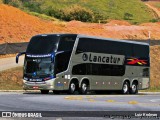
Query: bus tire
x=125, y=88
x=134, y=88
x=72, y=87
x=44, y=91
x=56, y=92
x=84, y=87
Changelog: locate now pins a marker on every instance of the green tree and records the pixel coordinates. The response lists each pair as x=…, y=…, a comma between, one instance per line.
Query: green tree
x=99, y=17
x=32, y=6
x=16, y=3
x=77, y=12
x=128, y=16
x=6, y=1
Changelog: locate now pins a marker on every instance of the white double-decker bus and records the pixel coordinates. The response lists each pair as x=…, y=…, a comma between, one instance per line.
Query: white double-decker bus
x=73, y=62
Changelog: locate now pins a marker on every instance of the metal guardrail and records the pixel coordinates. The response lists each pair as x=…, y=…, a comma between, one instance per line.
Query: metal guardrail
x=12, y=48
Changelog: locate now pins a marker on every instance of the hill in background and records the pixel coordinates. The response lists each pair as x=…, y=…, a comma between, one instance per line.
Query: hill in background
x=18, y=26
x=134, y=11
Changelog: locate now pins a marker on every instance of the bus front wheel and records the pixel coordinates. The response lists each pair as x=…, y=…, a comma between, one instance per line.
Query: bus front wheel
x=44, y=91
x=125, y=88
x=72, y=87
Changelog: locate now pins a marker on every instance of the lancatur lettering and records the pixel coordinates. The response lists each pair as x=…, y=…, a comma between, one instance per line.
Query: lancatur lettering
x=101, y=59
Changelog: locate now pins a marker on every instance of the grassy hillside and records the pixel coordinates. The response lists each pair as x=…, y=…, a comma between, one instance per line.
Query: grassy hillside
x=133, y=11
x=112, y=9
x=15, y=29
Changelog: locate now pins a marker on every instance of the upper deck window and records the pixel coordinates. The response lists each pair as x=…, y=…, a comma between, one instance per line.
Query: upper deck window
x=112, y=47
x=104, y=46
x=66, y=43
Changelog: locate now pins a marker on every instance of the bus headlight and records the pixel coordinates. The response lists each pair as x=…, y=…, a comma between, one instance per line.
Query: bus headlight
x=25, y=78
x=48, y=78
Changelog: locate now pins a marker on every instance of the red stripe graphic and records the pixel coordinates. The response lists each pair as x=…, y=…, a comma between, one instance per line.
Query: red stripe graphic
x=136, y=61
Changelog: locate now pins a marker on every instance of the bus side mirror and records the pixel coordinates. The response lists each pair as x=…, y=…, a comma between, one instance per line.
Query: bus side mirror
x=17, y=57
x=52, y=57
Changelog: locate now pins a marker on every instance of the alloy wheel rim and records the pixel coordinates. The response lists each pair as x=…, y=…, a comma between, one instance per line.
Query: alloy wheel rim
x=125, y=88
x=134, y=88
x=73, y=87
x=84, y=87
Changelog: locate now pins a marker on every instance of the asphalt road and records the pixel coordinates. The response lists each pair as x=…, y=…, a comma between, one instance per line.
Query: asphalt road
x=12, y=101
x=7, y=63
x=18, y=101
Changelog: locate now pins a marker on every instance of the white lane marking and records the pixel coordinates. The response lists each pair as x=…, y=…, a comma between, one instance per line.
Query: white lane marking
x=155, y=100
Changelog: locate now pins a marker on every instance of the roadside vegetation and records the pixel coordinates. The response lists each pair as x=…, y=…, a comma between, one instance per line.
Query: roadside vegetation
x=43, y=16
x=11, y=79
x=133, y=11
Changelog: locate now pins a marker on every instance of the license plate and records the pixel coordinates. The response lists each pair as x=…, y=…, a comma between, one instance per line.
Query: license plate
x=35, y=87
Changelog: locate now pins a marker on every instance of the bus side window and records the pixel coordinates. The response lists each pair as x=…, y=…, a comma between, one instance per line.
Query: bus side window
x=106, y=70
x=140, y=51
x=66, y=43
x=62, y=61
x=79, y=69
x=118, y=70
x=96, y=69
x=146, y=72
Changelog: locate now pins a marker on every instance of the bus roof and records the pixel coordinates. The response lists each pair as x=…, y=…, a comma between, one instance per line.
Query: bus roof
x=95, y=37
x=57, y=34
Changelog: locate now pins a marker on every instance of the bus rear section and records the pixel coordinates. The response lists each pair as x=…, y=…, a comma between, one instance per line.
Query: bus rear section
x=104, y=64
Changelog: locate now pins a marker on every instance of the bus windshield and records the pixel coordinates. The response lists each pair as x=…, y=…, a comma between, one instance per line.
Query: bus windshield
x=43, y=44
x=37, y=67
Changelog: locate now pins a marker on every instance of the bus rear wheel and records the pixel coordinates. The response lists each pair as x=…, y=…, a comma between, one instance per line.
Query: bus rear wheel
x=44, y=91
x=125, y=88
x=134, y=88
x=84, y=87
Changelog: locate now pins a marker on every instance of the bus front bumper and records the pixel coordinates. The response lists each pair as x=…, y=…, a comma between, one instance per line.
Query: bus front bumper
x=52, y=84
x=44, y=85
